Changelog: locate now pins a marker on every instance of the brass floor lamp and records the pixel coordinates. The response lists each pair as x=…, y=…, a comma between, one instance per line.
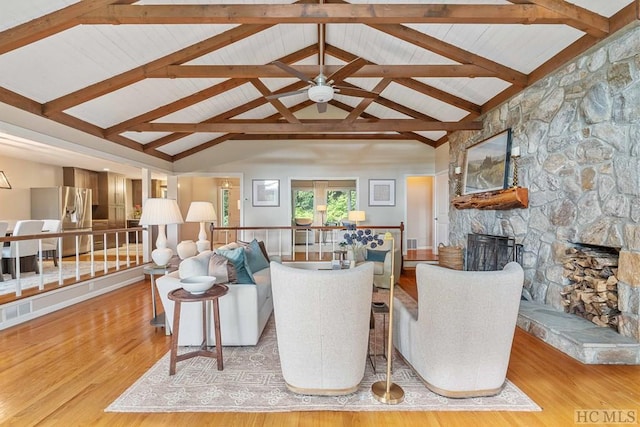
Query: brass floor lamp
x=387, y=391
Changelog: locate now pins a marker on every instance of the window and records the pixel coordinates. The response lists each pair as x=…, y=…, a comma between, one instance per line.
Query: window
x=339, y=203
x=224, y=206
x=303, y=204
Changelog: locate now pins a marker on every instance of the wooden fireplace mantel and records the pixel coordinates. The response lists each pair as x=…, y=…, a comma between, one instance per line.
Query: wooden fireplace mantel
x=510, y=198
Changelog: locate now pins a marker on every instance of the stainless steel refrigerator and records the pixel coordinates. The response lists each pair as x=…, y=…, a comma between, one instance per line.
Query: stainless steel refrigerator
x=71, y=205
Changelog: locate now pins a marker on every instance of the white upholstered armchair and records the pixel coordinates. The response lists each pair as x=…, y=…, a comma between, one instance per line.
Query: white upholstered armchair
x=322, y=327
x=459, y=341
x=382, y=262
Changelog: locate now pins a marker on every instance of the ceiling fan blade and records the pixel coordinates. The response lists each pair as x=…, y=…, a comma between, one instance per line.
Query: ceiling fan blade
x=352, y=91
x=322, y=107
x=293, y=72
x=348, y=69
x=280, y=95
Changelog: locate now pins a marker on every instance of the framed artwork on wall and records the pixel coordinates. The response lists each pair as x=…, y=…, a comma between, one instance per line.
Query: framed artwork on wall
x=4, y=182
x=382, y=192
x=266, y=192
x=487, y=164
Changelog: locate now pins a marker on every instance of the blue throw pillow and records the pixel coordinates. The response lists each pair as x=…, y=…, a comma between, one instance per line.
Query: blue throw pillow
x=376, y=256
x=237, y=258
x=254, y=257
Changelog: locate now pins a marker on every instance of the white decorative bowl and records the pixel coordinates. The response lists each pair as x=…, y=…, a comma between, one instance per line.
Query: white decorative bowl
x=197, y=285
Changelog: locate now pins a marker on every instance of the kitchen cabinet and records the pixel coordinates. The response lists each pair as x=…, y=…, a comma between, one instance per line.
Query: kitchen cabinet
x=136, y=189
x=82, y=178
x=112, y=203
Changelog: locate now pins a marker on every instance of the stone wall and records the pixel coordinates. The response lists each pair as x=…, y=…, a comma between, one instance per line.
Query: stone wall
x=579, y=136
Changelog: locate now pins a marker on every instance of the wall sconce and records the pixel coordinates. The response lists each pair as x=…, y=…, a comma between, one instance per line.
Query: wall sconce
x=4, y=182
x=226, y=183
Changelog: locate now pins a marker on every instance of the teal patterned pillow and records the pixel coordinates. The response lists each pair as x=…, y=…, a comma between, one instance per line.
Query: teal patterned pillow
x=376, y=256
x=237, y=258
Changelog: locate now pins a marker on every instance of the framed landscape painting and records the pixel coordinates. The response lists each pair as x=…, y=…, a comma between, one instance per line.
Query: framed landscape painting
x=266, y=192
x=487, y=164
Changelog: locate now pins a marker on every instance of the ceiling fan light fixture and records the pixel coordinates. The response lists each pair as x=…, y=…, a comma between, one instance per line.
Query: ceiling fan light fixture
x=320, y=93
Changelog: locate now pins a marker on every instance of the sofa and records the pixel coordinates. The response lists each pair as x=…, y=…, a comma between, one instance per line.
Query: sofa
x=322, y=323
x=459, y=339
x=244, y=310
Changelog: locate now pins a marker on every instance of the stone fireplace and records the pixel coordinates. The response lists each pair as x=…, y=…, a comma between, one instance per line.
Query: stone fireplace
x=578, y=131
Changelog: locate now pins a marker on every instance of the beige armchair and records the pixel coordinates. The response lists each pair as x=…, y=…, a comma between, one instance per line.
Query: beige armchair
x=322, y=327
x=459, y=340
x=381, y=266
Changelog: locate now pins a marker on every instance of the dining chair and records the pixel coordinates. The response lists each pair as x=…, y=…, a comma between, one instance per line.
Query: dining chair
x=51, y=245
x=26, y=248
x=3, y=231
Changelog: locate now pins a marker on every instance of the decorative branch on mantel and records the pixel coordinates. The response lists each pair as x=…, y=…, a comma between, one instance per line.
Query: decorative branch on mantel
x=510, y=198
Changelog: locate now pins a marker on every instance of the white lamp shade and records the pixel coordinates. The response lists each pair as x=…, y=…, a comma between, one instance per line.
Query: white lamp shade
x=356, y=216
x=160, y=212
x=321, y=208
x=157, y=211
x=201, y=211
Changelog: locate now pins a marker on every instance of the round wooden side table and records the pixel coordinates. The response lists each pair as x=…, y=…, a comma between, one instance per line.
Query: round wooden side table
x=179, y=296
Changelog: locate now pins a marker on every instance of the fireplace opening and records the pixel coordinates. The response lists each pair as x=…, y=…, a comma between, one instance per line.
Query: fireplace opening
x=489, y=253
x=592, y=289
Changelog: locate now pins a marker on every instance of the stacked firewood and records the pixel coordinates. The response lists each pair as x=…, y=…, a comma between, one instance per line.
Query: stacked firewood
x=592, y=291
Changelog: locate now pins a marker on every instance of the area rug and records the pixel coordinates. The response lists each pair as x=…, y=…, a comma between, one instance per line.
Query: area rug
x=252, y=382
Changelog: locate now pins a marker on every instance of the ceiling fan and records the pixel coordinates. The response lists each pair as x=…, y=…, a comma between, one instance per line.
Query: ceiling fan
x=322, y=88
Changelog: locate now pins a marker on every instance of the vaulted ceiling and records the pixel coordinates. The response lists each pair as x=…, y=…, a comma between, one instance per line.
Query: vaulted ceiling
x=171, y=78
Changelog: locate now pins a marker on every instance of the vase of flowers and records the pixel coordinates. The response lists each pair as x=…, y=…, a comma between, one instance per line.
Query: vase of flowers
x=358, y=240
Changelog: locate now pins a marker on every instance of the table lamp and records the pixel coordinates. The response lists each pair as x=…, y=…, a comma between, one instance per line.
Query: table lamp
x=201, y=212
x=322, y=209
x=161, y=212
x=387, y=391
x=356, y=216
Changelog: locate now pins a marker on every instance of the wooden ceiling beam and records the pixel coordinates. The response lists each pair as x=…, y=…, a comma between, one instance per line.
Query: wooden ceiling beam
x=272, y=71
x=416, y=85
x=624, y=17
x=137, y=74
x=452, y=52
x=224, y=116
x=441, y=95
x=295, y=56
x=356, y=112
x=328, y=14
x=277, y=104
x=407, y=135
x=198, y=97
x=317, y=126
x=322, y=136
x=176, y=105
x=576, y=16
x=50, y=24
x=230, y=136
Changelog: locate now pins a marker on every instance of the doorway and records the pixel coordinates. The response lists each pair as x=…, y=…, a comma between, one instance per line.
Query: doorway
x=419, y=216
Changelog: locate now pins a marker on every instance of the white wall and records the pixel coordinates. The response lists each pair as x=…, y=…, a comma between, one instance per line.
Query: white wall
x=22, y=175
x=442, y=158
x=420, y=210
x=287, y=160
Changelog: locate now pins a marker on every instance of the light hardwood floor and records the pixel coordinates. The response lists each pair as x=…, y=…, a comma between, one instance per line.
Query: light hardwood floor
x=65, y=368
